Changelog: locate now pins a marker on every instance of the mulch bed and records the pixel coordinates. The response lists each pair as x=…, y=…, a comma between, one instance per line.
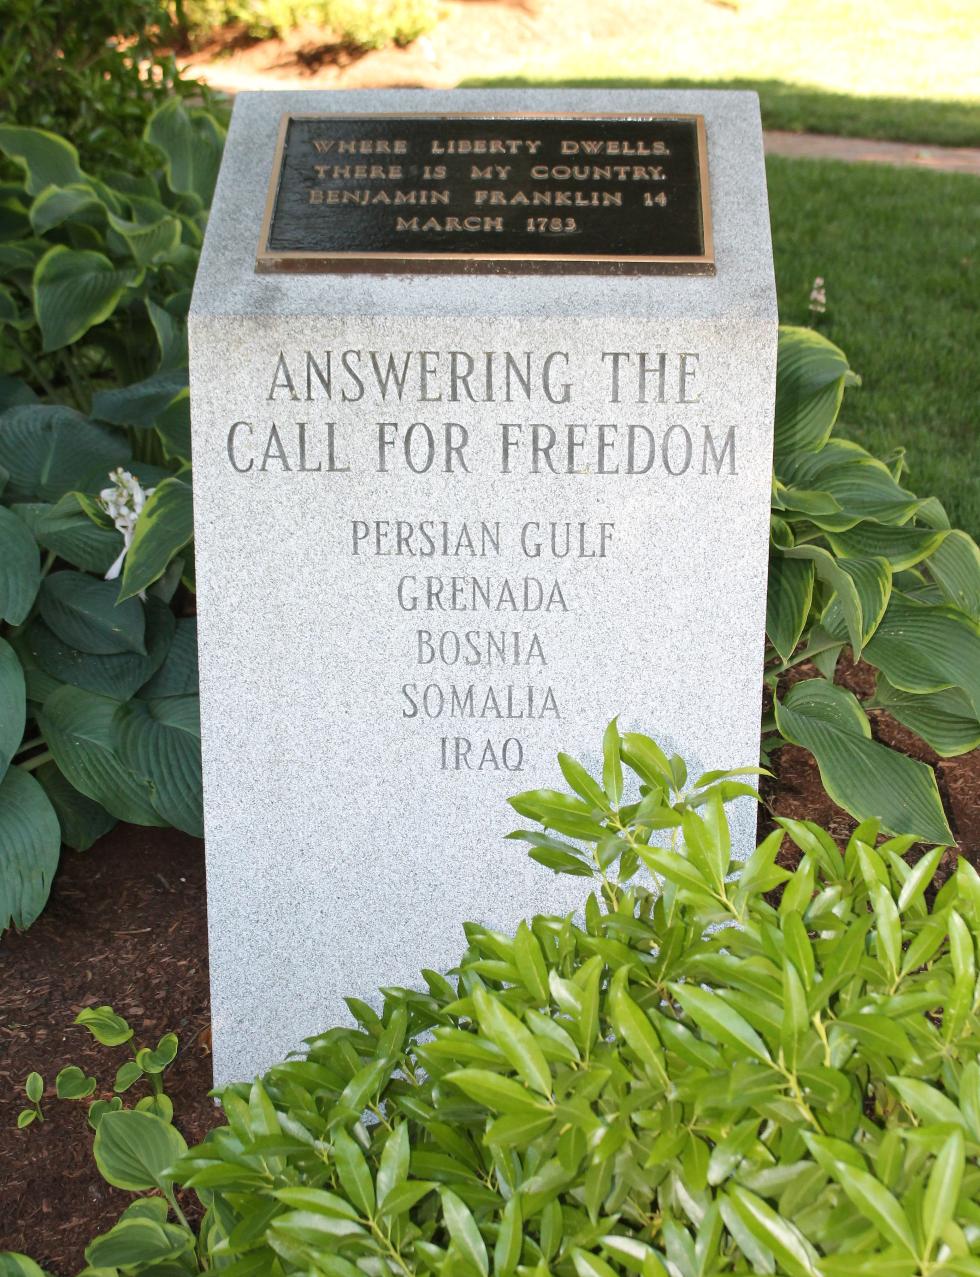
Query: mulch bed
x=126, y=925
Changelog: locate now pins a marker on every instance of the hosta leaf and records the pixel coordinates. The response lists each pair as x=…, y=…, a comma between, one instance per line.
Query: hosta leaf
x=924, y=648
x=13, y=704
x=137, y=1241
x=956, y=566
x=788, y=599
x=902, y=547
x=159, y=741
x=81, y=733
x=47, y=159
x=74, y=290
x=164, y=527
x=104, y=1025
x=83, y=821
x=148, y=242
x=64, y=203
x=191, y=143
x=88, y=615
x=861, y=586
x=810, y=378
x=945, y=720
x=30, y=842
x=135, y=1150
x=177, y=676
x=143, y=402
x=119, y=674
x=865, y=778
x=20, y=568
x=69, y=530
x=47, y=450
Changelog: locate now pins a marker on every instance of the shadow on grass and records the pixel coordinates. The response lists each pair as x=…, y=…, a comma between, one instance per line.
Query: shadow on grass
x=803, y=108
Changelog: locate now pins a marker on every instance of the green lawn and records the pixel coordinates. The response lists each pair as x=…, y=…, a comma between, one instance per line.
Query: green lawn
x=905, y=70
x=806, y=109
x=898, y=249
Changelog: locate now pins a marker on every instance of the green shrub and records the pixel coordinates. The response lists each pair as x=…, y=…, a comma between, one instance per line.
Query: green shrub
x=749, y=1071
x=365, y=24
x=91, y=72
x=859, y=562
x=98, y=680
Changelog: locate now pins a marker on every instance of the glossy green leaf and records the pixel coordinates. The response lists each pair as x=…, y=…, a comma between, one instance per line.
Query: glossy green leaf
x=356, y=1178
x=497, y=1092
x=721, y=1021
x=778, y=1235
x=943, y=1188
x=464, y=1232
x=516, y=1042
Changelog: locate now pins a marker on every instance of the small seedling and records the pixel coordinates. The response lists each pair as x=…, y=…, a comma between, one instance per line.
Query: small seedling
x=33, y=1089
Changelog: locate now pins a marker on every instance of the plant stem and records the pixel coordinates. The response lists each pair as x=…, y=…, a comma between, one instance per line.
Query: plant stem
x=38, y=761
x=35, y=371
x=30, y=744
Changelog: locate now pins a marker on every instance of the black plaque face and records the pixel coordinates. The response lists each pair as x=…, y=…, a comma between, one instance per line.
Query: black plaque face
x=504, y=194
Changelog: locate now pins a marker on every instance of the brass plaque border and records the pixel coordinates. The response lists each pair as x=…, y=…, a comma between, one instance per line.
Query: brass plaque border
x=306, y=262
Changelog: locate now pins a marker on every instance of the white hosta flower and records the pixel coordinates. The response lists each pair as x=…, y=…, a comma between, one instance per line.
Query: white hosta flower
x=818, y=296
x=123, y=503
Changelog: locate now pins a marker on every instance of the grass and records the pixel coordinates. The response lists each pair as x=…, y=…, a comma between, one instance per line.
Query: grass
x=898, y=251
x=904, y=70
x=807, y=109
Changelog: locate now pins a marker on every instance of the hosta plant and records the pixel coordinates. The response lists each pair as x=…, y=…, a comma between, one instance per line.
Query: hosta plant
x=860, y=564
x=98, y=678
x=721, y=1067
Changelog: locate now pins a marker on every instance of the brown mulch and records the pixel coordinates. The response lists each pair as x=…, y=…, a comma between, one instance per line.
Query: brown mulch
x=126, y=925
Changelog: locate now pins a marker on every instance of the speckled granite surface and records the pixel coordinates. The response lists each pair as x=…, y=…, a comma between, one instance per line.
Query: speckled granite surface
x=348, y=832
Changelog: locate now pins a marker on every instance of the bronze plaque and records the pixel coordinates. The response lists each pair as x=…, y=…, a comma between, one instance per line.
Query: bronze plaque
x=614, y=194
